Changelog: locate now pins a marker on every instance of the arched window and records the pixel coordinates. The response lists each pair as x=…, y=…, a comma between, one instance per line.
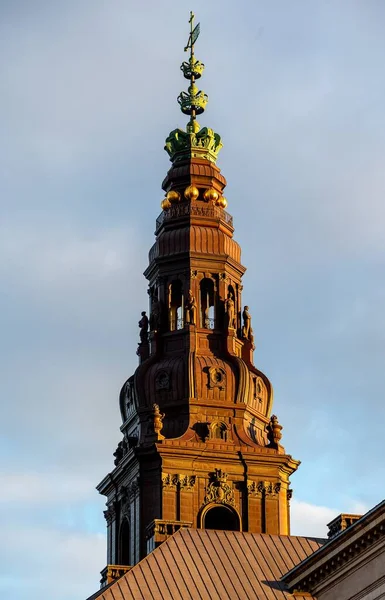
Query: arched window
x=175, y=305
x=207, y=304
x=218, y=431
x=124, y=543
x=221, y=517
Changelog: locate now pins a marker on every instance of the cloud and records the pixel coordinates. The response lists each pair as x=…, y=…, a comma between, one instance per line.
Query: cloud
x=311, y=520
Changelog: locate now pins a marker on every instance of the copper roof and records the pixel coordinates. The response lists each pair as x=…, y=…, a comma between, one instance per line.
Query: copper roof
x=214, y=565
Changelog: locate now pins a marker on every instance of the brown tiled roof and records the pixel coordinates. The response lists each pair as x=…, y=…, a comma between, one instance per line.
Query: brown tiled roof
x=214, y=565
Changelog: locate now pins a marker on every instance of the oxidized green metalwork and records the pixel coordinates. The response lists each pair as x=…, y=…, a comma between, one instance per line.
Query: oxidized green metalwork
x=193, y=102
x=204, y=143
x=192, y=67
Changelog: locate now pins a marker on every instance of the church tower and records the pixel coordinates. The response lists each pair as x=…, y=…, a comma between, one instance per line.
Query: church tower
x=200, y=445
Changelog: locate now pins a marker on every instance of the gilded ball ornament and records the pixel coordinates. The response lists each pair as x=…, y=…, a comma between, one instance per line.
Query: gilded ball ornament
x=165, y=204
x=173, y=196
x=211, y=195
x=222, y=202
x=191, y=192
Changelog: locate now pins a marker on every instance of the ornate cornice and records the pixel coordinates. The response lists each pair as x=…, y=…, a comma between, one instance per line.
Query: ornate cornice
x=338, y=552
x=110, y=514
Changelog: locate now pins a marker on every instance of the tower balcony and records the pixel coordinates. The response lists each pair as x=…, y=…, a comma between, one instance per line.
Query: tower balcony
x=185, y=210
x=159, y=530
x=111, y=573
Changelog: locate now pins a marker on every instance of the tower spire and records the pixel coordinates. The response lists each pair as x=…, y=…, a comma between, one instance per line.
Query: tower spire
x=193, y=102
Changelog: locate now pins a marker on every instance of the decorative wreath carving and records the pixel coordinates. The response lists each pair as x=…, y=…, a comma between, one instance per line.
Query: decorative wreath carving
x=162, y=381
x=217, y=378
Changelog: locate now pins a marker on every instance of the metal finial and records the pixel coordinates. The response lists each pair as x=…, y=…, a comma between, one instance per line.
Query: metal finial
x=192, y=102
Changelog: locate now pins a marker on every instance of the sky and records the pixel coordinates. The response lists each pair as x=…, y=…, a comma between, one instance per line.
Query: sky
x=88, y=96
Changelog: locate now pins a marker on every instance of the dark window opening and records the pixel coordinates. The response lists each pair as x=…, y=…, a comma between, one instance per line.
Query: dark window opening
x=221, y=517
x=207, y=304
x=124, y=543
x=175, y=305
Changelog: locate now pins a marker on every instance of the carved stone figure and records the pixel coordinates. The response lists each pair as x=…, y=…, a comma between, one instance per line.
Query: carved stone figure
x=230, y=310
x=246, y=329
x=251, y=338
x=155, y=314
x=158, y=421
x=143, y=324
x=190, y=309
x=118, y=453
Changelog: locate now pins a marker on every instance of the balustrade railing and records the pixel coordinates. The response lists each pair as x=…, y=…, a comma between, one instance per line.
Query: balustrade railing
x=182, y=210
x=158, y=531
x=179, y=324
x=209, y=323
x=112, y=572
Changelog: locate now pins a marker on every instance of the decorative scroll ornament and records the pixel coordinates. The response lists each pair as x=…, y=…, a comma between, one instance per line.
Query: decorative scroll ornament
x=263, y=488
x=218, y=490
x=187, y=482
x=110, y=514
x=184, y=482
x=169, y=480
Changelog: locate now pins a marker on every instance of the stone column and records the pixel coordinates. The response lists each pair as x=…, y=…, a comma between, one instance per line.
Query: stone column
x=110, y=516
x=186, y=487
x=169, y=483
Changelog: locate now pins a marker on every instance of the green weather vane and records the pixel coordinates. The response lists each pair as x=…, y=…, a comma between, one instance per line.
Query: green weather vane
x=193, y=102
